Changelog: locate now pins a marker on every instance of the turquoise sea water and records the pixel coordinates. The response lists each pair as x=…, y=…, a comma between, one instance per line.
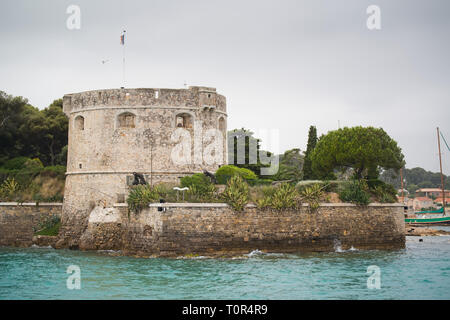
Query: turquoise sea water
x=421, y=271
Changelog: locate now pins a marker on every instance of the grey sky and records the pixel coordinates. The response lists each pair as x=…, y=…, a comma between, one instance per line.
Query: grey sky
x=281, y=64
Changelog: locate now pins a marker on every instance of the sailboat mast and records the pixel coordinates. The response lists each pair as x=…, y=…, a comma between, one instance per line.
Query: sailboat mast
x=442, y=176
x=401, y=177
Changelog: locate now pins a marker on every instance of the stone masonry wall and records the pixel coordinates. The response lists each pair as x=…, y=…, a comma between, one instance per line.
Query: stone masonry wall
x=215, y=229
x=18, y=220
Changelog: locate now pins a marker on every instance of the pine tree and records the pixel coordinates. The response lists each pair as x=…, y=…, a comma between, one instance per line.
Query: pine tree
x=312, y=141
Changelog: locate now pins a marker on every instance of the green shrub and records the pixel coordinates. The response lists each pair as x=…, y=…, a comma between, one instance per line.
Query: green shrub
x=54, y=171
x=201, y=194
x=236, y=193
x=385, y=193
x=225, y=173
x=16, y=163
x=355, y=192
x=165, y=192
x=373, y=183
x=200, y=187
x=284, y=196
x=263, y=203
x=312, y=195
x=9, y=189
x=33, y=163
x=25, y=176
x=141, y=196
x=199, y=181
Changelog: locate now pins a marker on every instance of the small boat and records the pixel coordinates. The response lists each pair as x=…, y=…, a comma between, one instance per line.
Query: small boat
x=435, y=217
x=428, y=220
x=441, y=210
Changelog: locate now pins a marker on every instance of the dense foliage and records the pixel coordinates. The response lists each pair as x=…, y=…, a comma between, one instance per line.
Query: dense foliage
x=236, y=193
x=364, y=150
x=200, y=187
x=29, y=132
x=284, y=196
x=312, y=195
x=141, y=196
x=415, y=178
x=357, y=191
x=312, y=142
x=290, y=166
x=33, y=181
x=225, y=173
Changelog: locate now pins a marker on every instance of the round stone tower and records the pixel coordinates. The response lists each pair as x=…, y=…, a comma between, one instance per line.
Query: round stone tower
x=114, y=133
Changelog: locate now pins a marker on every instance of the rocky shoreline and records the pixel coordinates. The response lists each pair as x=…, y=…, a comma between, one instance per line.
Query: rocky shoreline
x=424, y=231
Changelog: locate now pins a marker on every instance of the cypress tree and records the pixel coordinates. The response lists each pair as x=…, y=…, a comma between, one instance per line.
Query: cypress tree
x=312, y=141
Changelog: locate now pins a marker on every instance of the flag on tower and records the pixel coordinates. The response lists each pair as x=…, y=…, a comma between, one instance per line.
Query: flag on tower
x=122, y=38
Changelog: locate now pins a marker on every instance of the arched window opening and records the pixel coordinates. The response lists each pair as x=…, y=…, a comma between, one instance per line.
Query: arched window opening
x=79, y=123
x=126, y=120
x=183, y=120
x=221, y=124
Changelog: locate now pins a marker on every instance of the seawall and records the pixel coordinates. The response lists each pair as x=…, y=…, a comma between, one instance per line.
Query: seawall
x=174, y=229
x=18, y=221
x=215, y=229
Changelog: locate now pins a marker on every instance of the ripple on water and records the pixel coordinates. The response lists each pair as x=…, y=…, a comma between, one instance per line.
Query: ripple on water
x=40, y=273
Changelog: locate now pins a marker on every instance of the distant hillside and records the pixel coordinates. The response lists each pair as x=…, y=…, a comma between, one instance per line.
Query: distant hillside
x=416, y=178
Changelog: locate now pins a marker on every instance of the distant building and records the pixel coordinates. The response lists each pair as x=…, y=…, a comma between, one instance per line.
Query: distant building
x=422, y=202
x=439, y=200
x=431, y=192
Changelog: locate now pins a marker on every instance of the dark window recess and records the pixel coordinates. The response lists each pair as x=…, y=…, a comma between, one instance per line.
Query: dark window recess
x=183, y=120
x=126, y=120
x=79, y=123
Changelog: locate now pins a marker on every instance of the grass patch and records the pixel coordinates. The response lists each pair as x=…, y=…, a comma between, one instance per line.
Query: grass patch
x=51, y=231
x=49, y=227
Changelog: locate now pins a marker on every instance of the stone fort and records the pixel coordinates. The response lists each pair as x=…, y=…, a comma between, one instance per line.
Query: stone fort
x=115, y=132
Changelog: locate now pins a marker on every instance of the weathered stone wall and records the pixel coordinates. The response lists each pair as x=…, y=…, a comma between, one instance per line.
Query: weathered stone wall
x=215, y=229
x=17, y=221
x=102, y=153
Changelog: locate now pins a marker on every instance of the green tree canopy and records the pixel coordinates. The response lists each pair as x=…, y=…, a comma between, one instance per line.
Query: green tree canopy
x=415, y=178
x=365, y=150
x=29, y=132
x=291, y=164
x=11, y=118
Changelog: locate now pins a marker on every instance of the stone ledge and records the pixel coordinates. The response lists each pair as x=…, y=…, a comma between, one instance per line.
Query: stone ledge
x=128, y=172
x=30, y=204
x=224, y=205
x=103, y=107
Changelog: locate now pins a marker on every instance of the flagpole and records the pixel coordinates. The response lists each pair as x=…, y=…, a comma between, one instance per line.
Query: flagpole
x=442, y=176
x=123, y=67
x=123, y=59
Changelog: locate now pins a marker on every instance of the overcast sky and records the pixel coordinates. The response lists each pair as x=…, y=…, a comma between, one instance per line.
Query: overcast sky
x=281, y=64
